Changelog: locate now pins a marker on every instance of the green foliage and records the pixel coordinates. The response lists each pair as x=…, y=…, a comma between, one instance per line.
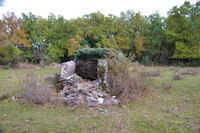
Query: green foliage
x=156, y=39
x=10, y=54
x=88, y=53
x=51, y=57
x=36, y=28
x=49, y=37
x=92, y=53
x=183, y=28
x=124, y=83
x=135, y=35
x=146, y=60
x=12, y=32
x=161, y=110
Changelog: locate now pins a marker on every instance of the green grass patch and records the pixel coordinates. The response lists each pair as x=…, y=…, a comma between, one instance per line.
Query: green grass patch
x=174, y=110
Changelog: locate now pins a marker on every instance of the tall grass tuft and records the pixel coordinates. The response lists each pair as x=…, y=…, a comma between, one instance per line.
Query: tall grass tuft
x=124, y=83
x=34, y=92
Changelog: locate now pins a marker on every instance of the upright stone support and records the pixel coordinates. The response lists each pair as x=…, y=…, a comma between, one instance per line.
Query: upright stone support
x=68, y=69
x=103, y=73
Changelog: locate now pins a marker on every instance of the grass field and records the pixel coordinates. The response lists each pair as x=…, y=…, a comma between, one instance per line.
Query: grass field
x=162, y=110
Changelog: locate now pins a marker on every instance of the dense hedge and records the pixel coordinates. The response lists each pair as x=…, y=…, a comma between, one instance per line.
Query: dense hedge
x=88, y=53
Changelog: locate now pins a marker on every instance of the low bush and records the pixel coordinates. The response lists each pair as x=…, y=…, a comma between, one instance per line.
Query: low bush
x=34, y=92
x=175, y=69
x=189, y=71
x=37, y=96
x=177, y=77
x=124, y=83
x=54, y=79
x=9, y=55
x=5, y=95
x=153, y=73
x=167, y=85
x=24, y=65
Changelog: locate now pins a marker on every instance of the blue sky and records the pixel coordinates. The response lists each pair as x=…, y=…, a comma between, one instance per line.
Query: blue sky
x=77, y=8
x=1, y=2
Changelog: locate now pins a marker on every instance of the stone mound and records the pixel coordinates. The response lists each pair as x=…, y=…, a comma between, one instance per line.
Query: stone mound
x=78, y=91
x=85, y=81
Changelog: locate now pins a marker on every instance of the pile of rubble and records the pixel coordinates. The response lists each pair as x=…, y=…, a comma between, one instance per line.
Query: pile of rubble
x=78, y=90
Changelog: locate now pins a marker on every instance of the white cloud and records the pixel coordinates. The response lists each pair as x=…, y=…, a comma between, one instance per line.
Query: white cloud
x=74, y=8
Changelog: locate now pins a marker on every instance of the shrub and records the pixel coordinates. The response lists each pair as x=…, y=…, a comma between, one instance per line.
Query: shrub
x=177, y=77
x=175, y=69
x=153, y=73
x=189, y=71
x=25, y=65
x=51, y=57
x=5, y=95
x=10, y=54
x=34, y=92
x=38, y=95
x=123, y=83
x=167, y=85
x=54, y=79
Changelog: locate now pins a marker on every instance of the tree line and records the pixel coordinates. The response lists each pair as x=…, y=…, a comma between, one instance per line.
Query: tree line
x=147, y=39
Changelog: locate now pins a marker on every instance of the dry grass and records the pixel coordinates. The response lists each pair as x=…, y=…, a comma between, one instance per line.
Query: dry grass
x=177, y=77
x=5, y=95
x=152, y=73
x=53, y=65
x=175, y=69
x=163, y=111
x=34, y=92
x=123, y=84
x=189, y=71
x=167, y=85
x=24, y=65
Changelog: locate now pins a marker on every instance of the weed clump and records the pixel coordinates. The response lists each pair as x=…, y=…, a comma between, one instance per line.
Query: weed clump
x=177, y=77
x=167, y=85
x=153, y=73
x=53, y=79
x=24, y=65
x=34, y=92
x=189, y=71
x=124, y=83
x=175, y=69
x=5, y=95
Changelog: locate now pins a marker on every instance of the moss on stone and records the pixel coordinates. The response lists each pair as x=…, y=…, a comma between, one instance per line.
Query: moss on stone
x=98, y=53
x=102, y=70
x=59, y=86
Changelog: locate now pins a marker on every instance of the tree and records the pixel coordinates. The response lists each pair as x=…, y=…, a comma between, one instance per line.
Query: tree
x=134, y=27
x=158, y=48
x=36, y=28
x=57, y=37
x=10, y=54
x=139, y=44
x=183, y=27
x=12, y=31
x=74, y=44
